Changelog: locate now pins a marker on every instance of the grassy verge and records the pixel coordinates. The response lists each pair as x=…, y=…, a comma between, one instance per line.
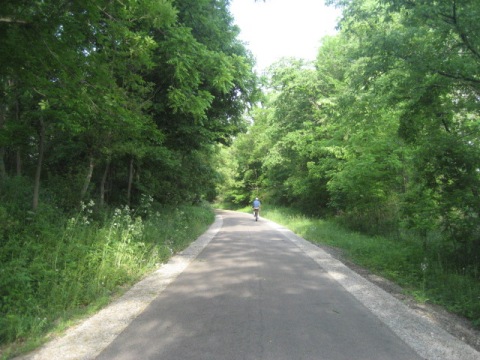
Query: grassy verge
x=57, y=270
x=422, y=274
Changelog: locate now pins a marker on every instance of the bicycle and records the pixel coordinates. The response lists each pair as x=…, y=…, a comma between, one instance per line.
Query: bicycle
x=255, y=213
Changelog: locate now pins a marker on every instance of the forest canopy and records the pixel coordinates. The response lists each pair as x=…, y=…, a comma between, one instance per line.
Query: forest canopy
x=113, y=99
x=381, y=132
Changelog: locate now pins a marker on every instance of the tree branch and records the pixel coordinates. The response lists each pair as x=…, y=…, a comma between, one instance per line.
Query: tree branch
x=462, y=33
x=459, y=77
x=12, y=21
x=445, y=125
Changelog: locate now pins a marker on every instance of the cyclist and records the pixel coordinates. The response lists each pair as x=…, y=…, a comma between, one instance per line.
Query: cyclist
x=256, y=207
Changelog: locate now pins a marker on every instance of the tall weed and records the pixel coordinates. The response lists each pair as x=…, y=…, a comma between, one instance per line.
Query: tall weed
x=420, y=271
x=56, y=267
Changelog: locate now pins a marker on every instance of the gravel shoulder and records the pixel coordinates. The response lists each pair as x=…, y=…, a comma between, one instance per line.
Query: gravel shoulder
x=431, y=331
x=452, y=323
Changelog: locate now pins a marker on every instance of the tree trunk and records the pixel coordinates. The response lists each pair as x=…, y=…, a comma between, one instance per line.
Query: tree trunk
x=91, y=166
x=19, y=162
x=19, y=152
x=3, y=172
x=130, y=181
x=38, y=173
x=102, y=184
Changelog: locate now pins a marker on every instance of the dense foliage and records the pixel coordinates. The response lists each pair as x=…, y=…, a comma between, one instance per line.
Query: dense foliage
x=107, y=103
x=114, y=99
x=61, y=268
x=380, y=132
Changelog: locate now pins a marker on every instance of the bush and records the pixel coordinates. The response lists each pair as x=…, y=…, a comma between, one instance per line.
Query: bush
x=56, y=266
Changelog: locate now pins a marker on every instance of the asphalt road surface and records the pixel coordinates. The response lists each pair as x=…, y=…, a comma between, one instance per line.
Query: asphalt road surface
x=254, y=294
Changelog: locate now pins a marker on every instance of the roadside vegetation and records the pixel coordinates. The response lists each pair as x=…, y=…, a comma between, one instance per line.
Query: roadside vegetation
x=57, y=269
x=426, y=275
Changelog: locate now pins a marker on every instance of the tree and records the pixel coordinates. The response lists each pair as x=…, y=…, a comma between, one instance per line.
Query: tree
x=94, y=87
x=423, y=59
x=203, y=83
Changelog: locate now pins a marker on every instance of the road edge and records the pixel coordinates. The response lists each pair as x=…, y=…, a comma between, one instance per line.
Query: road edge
x=89, y=338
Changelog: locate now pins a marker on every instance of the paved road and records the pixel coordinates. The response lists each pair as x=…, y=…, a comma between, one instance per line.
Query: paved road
x=254, y=294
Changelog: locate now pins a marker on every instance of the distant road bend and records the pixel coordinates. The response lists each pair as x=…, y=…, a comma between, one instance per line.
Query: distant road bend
x=253, y=290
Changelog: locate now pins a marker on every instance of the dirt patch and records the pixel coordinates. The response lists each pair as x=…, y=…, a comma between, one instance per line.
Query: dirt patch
x=456, y=325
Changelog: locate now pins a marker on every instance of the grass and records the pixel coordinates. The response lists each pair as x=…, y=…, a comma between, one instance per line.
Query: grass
x=405, y=262
x=56, y=272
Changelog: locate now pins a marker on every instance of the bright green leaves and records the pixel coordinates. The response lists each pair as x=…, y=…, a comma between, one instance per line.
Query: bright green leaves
x=273, y=159
x=130, y=86
x=390, y=113
x=198, y=73
x=190, y=103
x=194, y=68
x=223, y=70
x=205, y=82
x=155, y=13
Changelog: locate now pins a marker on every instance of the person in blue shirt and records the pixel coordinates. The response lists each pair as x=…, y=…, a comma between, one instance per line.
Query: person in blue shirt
x=256, y=206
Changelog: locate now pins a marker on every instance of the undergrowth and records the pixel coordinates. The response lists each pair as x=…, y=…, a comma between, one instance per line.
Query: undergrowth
x=55, y=269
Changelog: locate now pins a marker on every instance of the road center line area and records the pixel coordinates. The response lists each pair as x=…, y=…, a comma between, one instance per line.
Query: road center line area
x=254, y=290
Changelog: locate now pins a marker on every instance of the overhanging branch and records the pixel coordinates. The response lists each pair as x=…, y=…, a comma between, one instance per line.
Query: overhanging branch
x=12, y=21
